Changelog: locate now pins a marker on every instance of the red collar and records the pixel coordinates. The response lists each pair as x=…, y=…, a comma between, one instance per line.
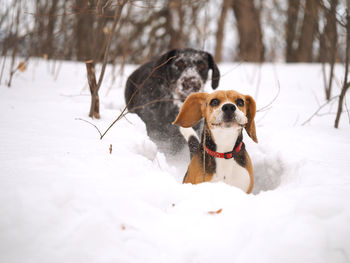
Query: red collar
x=227, y=155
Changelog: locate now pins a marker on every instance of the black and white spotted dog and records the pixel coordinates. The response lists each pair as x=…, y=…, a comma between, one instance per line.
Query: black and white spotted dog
x=156, y=91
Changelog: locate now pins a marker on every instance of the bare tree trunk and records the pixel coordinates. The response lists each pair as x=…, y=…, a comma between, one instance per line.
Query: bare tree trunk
x=328, y=44
x=48, y=47
x=328, y=38
x=15, y=44
x=95, y=100
x=175, y=23
x=67, y=47
x=251, y=47
x=346, y=83
x=83, y=30
x=40, y=27
x=101, y=29
x=220, y=32
x=308, y=31
x=5, y=48
x=94, y=94
x=292, y=20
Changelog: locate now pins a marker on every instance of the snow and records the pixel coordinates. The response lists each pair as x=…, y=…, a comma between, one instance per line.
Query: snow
x=65, y=198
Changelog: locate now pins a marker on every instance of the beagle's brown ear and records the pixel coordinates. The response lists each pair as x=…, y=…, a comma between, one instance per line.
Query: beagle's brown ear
x=191, y=111
x=251, y=110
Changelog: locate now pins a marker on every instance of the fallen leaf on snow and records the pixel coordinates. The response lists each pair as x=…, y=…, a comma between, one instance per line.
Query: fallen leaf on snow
x=215, y=212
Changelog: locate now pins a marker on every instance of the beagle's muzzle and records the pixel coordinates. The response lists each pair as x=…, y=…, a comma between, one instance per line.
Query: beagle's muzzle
x=221, y=154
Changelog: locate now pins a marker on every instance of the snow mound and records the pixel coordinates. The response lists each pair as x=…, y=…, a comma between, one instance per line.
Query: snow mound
x=65, y=197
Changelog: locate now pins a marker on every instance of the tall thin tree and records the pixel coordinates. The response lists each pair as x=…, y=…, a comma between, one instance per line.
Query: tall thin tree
x=291, y=29
x=251, y=47
x=308, y=31
x=328, y=44
x=220, y=31
x=346, y=82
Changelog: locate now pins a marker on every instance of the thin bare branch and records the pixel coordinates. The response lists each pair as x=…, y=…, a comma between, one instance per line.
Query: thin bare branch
x=144, y=105
x=318, y=110
x=79, y=119
x=134, y=94
x=268, y=106
x=347, y=108
x=108, y=45
x=346, y=83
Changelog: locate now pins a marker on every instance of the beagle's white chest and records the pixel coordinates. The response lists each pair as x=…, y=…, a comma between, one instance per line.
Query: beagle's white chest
x=230, y=172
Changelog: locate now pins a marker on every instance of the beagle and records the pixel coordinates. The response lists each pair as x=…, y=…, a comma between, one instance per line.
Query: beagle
x=221, y=155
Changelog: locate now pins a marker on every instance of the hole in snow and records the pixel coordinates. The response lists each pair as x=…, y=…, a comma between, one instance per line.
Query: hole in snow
x=268, y=173
x=269, y=167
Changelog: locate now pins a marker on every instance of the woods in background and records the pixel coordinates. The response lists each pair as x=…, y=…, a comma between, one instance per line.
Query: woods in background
x=133, y=31
x=233, y=30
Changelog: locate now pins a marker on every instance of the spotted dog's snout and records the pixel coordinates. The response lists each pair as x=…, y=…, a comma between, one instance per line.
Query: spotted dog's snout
x=188, y=85
x=192, y=83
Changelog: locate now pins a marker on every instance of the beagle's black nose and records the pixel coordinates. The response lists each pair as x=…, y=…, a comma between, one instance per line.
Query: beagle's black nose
x=228, y=108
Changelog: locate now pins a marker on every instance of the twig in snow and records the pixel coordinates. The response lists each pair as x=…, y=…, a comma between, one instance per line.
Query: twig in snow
x=124, y=112
x=79, y=119
x=347, y=109
x=317, y=111
x=110, y=149
x=268, y=106
x=232, y=69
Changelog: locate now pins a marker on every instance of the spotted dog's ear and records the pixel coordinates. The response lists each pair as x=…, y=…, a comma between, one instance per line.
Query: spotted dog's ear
x=251, y=110
x=191, y=111
x=215, y=76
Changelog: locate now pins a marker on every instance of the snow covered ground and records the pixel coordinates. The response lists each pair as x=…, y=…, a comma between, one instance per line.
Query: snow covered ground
x=65, y=198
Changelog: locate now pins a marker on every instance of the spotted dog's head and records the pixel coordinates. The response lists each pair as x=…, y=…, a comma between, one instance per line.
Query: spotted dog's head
x=187, y=71
x=221, y=109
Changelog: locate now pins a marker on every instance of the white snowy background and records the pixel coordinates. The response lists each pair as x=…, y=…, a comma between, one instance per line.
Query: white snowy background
x=65, y=198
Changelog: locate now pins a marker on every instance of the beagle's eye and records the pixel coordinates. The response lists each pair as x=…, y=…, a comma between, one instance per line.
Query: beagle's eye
x=214, y=102
x=240, y=102
x=180, y=64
